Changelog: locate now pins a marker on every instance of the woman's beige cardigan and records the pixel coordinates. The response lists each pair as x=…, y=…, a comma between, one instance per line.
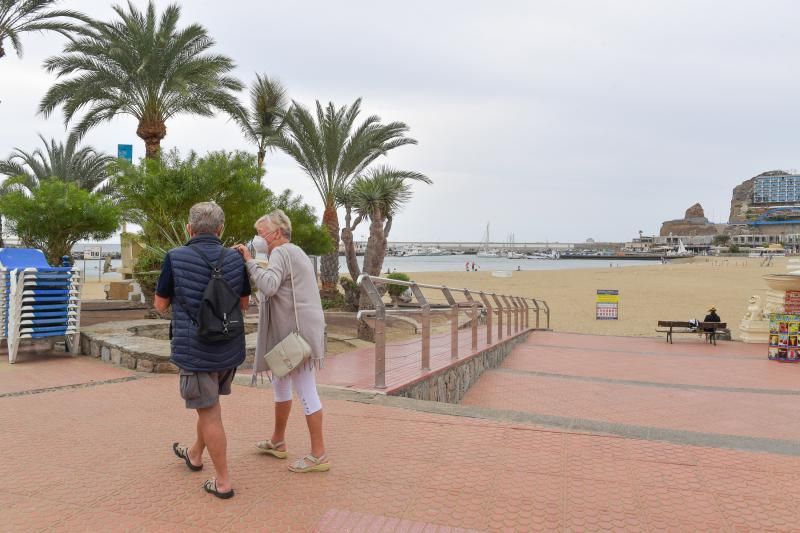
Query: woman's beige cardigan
x=276, y=310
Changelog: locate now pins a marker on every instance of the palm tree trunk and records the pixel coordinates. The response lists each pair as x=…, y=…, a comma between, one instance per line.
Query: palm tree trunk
x=2, y=50
x=349, y=245
x=329, y=269
x=261, y=155
x=152, y=133
x=373, y=263
x=2, y=242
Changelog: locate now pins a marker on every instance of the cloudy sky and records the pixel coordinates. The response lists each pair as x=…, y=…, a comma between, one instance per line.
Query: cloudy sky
x=554, y=120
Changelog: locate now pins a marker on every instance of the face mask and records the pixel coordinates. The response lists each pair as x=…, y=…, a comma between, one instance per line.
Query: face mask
x=260, y=245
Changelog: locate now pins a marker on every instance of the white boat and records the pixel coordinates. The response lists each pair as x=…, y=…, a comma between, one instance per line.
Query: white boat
x=680, y=252
x=488, y=253
x=543, y=255
x=419, y=251
x=515, y=255
x=485, y=251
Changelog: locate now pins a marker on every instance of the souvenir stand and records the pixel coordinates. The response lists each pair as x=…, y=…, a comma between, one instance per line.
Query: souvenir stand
x=37, y=301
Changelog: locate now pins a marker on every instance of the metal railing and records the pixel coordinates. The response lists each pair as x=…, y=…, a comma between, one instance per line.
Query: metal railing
x=515, y=309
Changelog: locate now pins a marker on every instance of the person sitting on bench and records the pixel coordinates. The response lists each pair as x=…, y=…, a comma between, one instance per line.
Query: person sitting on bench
x=712, y=316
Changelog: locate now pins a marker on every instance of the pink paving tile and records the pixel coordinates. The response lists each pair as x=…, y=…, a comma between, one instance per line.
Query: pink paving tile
x=39, y=369
x=336, y=520
x=401, y=469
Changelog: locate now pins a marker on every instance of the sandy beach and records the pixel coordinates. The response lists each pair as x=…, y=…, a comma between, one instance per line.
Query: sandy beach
x=675, y=291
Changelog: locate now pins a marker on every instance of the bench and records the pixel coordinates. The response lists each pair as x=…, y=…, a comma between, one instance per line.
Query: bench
x=673, y=326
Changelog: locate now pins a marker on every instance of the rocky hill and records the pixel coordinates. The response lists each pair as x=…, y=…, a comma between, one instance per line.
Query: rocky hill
x=693, y=223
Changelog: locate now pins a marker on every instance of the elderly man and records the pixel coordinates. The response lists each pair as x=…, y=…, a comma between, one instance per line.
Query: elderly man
x=206, y=368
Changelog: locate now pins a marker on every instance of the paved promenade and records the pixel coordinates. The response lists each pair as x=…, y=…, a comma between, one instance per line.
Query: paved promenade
x=572, y=433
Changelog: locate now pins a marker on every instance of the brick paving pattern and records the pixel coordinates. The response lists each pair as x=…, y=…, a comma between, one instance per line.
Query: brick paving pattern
x=98, y=458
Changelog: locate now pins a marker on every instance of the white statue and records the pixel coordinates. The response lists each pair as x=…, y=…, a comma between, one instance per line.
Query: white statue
x=754, y=311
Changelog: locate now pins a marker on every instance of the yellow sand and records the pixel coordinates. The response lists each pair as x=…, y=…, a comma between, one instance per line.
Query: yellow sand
x=676, y=291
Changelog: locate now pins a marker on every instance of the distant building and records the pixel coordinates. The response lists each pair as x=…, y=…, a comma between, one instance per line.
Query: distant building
x=772, y=190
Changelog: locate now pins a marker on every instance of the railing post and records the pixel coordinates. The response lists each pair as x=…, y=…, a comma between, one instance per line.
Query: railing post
x=510, y=310
x=536, y=306
x=517, y=315
x=474, y=309
x=453, y=323
x=527, y=313
x=499, y=316
x=518, y=300
x=489, y=312
x=380, y=329
x=426, y=326
x=547, y=311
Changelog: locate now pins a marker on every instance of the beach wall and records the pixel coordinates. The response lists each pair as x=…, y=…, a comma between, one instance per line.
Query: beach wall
x=449, y=384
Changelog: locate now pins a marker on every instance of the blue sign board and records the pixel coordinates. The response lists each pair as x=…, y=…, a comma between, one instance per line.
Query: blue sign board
x=125, y=151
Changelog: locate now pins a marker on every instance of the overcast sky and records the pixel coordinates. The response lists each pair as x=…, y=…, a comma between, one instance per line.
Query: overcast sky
x=554, y=120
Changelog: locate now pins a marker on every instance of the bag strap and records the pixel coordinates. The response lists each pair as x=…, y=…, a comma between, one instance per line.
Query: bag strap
x=294, y=300
x=215, y=270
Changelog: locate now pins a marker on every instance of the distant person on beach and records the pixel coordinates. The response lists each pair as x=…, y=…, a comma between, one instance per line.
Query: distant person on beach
x=206, y=369
x=473, y=266
x=466, y=266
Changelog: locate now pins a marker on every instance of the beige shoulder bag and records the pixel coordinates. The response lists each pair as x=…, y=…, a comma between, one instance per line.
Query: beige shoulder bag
x=293, y=349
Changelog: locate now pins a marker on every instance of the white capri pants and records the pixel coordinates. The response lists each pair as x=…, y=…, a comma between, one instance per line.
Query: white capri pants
x=304, y=382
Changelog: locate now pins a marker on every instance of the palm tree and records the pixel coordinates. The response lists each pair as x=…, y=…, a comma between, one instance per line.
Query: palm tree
x=85, y=167
x=377, y=196
x=25, y=16
x=263, y=122
x=144, y=66
x=332, y=153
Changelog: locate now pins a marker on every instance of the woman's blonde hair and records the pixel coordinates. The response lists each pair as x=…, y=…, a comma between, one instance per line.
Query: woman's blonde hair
x=278, y=220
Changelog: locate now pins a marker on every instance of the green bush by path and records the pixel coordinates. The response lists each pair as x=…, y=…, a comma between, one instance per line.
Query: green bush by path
x=56, y=215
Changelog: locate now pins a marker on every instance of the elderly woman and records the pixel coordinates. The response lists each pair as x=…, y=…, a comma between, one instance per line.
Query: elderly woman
x=276, y=321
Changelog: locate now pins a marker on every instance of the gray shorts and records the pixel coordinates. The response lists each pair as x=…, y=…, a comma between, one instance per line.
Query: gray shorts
x=202, y=389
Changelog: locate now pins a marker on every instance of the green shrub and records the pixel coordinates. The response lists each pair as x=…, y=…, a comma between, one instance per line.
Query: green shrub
x=352, y=292
x=397, y=290
x=336, y=302
x=56, y=215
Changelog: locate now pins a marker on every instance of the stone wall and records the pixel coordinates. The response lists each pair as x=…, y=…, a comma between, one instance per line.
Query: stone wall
x=142, y=345
x=450, y=384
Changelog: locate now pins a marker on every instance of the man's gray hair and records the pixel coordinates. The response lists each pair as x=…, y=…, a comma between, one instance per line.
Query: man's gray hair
x=278, y=220
x=206, y=217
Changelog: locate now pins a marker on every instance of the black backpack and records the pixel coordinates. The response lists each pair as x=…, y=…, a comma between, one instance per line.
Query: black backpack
x=219, y=318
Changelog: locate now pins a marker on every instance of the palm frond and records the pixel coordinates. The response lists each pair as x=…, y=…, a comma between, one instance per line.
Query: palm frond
x=331, y=149
x=26, y=16
x=142, y=64
x=84, y=166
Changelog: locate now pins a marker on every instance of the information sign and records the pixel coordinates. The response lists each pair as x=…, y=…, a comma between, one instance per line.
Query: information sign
x=125, y=151
x=791, y=303
x=607, y=304
x=93, y=252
